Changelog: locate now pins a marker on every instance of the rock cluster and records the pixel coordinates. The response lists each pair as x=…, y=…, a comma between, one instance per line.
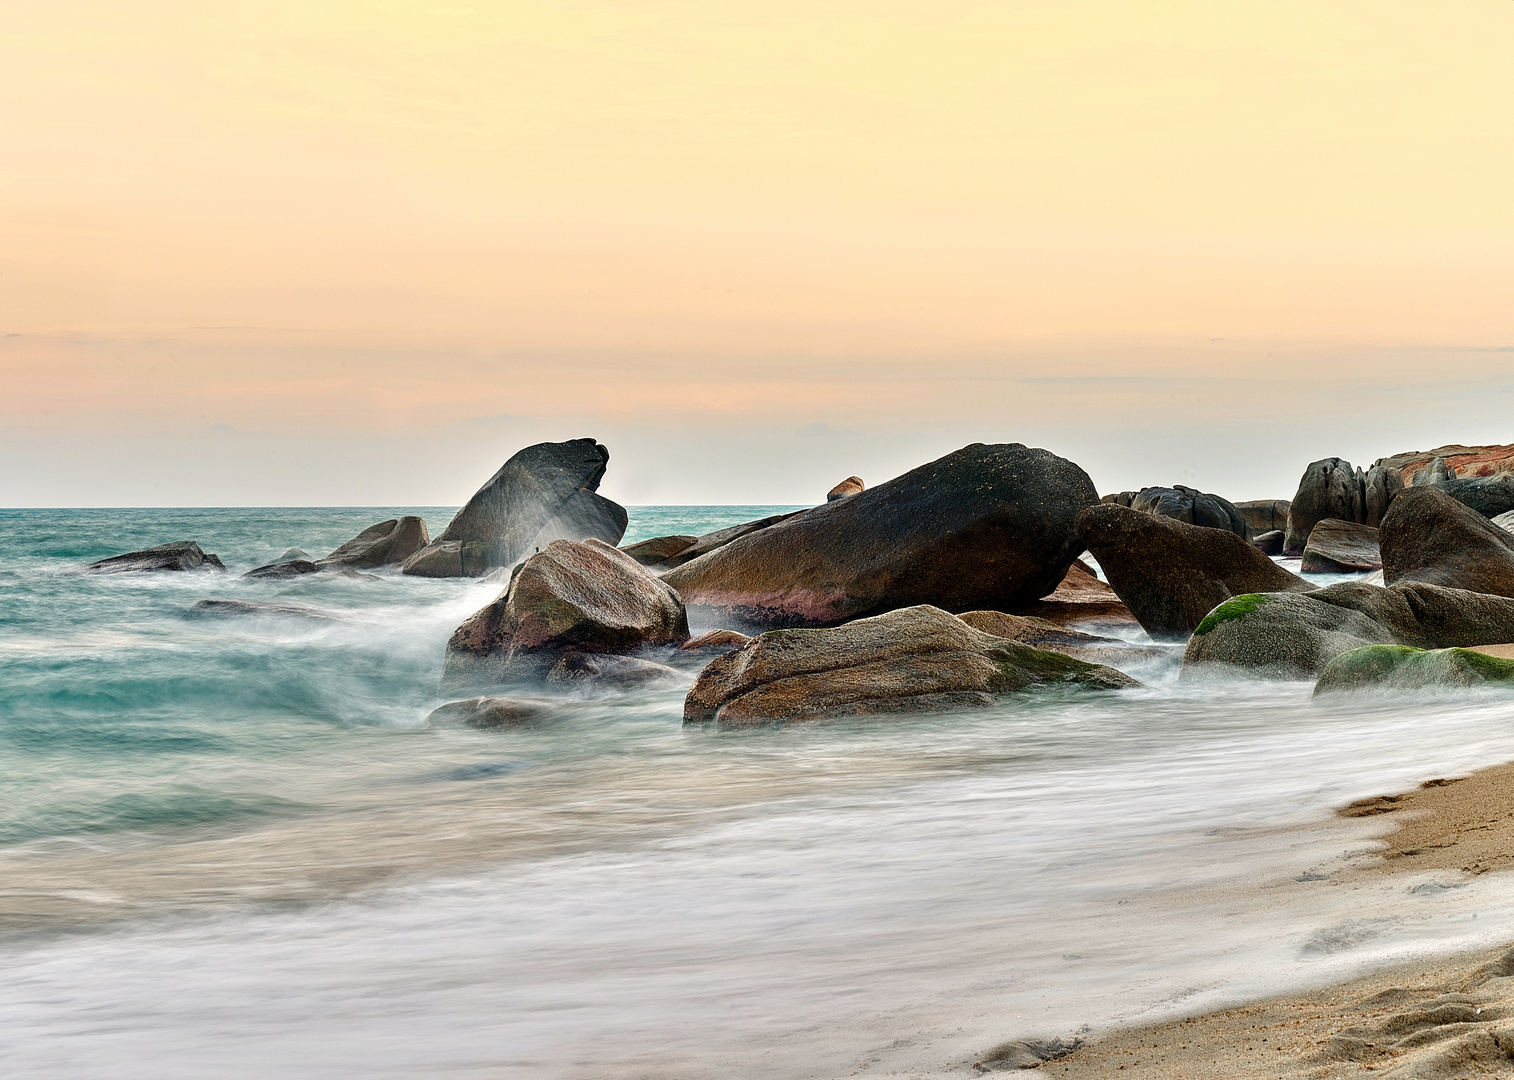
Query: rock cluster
x=1184, y=504
x=1331, y=488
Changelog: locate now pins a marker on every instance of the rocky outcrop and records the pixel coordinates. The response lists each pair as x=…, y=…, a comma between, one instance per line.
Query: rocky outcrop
x=1171, y=574
x=544, y=493
x=1401, y=667
x=1040, y=634
x=1341, y=547
x=568, y=598
x=488, y=712
x=1264, y=515
x=1428, y=536
x=850, y=486
x=292, y=568
x=1269, y=543
x=1464, y=461
x=658, y=550
x=388, y=543
x=1331, y=488
x=177, y=556
x=291, y=554
x=1287, y=635
x=914, y=660
x=989, y=526
x=1184, y=504
x=1437, y=472
x=1490, y=496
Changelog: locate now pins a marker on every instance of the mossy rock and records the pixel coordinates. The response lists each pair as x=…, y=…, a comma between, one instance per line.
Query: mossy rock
x=1237, y=607
x=1399, y=667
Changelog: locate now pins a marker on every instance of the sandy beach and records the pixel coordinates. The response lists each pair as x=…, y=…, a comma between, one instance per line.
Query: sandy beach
x=1441, y=1020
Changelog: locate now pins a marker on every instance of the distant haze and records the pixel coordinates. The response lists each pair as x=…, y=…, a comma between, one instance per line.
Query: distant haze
x=342, y=253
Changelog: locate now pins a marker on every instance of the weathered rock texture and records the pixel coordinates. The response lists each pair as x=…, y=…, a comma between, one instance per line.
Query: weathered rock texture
x=235, y=608
x=1081, y=600
x=598, y=673
x=1264, y=515
x=713, y=541
x=1184, y=504
x=850, y=486
x=179, y=555
x=388, y=543
x=1342, y=547
x=1466, y=461
x=918, y=659
x=1431, y=537
x=1401, y=667
x=658, y=550
x=544, y=493
x=989, y=526
x=1288, y=635
x=586, y=598
x=1331, y=488
x=1170, y=574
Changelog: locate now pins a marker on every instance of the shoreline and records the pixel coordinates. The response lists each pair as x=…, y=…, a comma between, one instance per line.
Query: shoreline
x=1436, y=1019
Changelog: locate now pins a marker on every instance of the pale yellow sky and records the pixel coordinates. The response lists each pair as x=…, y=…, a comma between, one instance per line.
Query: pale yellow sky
x=386, y=218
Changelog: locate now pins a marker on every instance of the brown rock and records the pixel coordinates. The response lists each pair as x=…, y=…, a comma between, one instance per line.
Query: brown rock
x=721, y=537
x=1342, y=547
x=716, y=641
x=917, y=659
x=1330, y=488
x=587, y=598
x=1170, y=575
x=1264, y=515
x=1269, y=543
x=659, y=549
x=1081, y=600
x=1467, y=461
x=1041, y=634
x=984, y=527
x=1429, y=536
x=488, y=712
x=850, y=486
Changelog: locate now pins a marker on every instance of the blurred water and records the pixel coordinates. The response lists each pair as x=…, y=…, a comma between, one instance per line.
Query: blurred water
x=231, y=847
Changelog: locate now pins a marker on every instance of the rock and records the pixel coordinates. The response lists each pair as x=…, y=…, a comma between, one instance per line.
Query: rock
x=291, y=555
x=1429, y=536
x=179, y=555
x=543, y=491
x=1191, y=506
x=1264, y=515
x=1284, y=635
x=386, y=544
x=1437, y=472
x=587, y=598
x=245, y=607
x=1171, y=574
x=716, y=641
x=292, y=568
x=597, y=673
x=1081, y=600
x=1466, y=461
x=488, y=712
x=1400, y=667
x=1490, y=496
x=1341, y=547
x=658, y=550
x=1040, y=634
x=850, y=486
x=1330, y=488
x=1269, y=543
x=721, y=537
x=1379, y=487
x=1505, y=521
x=984, y=527
x=916, y=659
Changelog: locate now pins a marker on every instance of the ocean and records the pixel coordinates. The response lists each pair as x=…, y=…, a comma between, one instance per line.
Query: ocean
x=233, y=847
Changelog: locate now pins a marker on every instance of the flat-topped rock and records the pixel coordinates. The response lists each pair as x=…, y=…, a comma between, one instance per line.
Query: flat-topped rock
x=1342, y=547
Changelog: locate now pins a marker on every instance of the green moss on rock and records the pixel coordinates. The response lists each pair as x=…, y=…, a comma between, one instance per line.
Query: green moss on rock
x=1237, y=607
x=1399, y=667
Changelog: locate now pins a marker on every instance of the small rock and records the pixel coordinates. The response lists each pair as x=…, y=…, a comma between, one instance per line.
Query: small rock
x=852, y=485
x=292, y=568
x=245, y=607
x=1264, y=515
x=658, y=550
x=1400, y=667
x=388, y=543
x=1269, y=543
x=179, y=555
x=488, y=712
x=601, y=673
x=715, y=641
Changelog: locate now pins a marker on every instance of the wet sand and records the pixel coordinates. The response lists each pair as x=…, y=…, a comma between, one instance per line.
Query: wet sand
x=1438, y=1020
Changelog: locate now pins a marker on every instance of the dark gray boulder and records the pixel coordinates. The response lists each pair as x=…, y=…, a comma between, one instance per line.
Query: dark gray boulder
x=912, y=660
x=1171, y=574
x=178, y=556
x=489, y=712
x=1431, y=537
x=541, y=494
x=1329, y=488
x=1341, y=547
x=388, y=543
x=989, y=526
x=1490, y=496
x=578, y=598
x=292, y=568
x=1189, y=505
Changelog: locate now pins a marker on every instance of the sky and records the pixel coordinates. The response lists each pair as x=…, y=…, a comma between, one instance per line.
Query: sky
x=359, y=253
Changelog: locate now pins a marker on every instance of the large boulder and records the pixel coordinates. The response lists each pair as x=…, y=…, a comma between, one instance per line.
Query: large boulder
x=989, y=526
x=918, y=659
x=1171, y=574
x=1431, y=537
x=1437, y=472
x=1402, y=667
x=568, y=598
x=1191, y=506
x=544, y=493
x=1341, y=547
x=1284, y=635
x=1330, y=488
x=1380, y=486
x=1264, y=515
x=179, y=555
x=386, y=544
x=1490, y=496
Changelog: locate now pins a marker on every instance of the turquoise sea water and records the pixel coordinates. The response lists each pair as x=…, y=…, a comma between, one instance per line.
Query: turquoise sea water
x=232, y=846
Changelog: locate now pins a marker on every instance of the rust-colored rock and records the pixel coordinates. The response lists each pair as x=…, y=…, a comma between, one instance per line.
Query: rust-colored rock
x=1467, y=461
x=850, y=486
x=1081, y=600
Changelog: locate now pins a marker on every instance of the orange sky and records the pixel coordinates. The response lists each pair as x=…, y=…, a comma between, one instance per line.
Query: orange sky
x=349, y=225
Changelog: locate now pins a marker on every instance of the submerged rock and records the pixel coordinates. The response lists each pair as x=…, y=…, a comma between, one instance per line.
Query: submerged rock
x=584, y=598
x=1342, y=547
x=236, y=608
x=1428, y=536
x=1171, y=574
x=852, y=485
x=488, y=712
x=177, y=556
x=984, y=527
x=291, y=568
x=543, y=493
x=291, y=555
x=913, y=660
x=388, y=543
x=1401, y=667
x=598, y=673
